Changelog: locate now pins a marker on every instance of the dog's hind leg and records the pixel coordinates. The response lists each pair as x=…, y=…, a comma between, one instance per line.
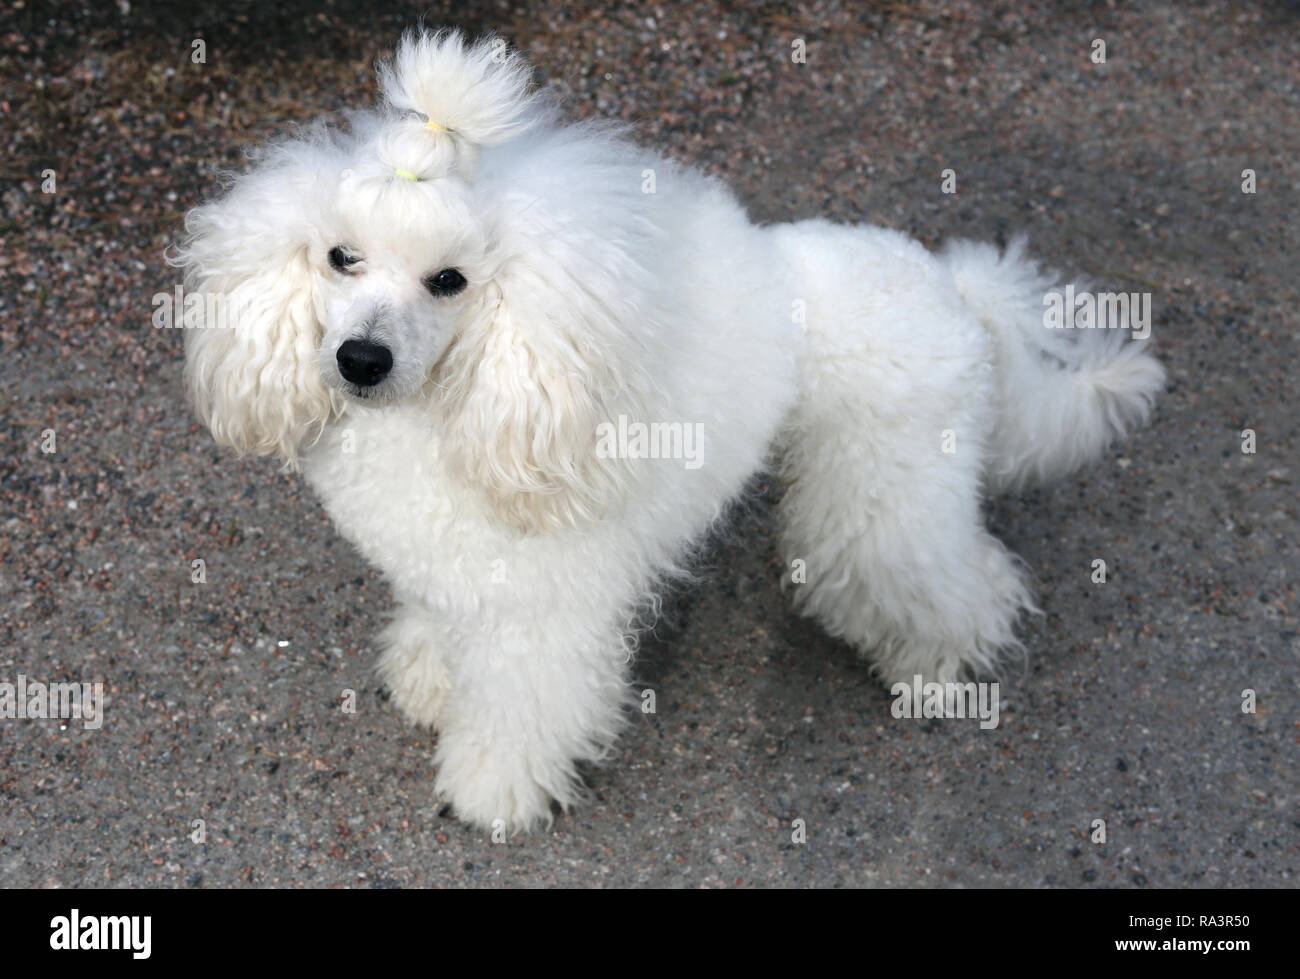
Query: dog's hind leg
x=899, y=564
x=884, y=468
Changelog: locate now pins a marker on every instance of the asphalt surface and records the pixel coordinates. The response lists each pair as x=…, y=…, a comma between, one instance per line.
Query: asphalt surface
x=223, y=697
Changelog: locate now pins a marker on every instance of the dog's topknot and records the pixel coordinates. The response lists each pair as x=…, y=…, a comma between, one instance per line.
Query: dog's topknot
x=478, y=93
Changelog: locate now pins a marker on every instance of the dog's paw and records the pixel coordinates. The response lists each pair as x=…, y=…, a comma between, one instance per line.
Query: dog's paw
x=497, y=789
x=902, y=661
x=413, y=670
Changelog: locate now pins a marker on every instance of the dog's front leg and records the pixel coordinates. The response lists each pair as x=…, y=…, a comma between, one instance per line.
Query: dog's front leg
x=414, y=664
x=532, y=697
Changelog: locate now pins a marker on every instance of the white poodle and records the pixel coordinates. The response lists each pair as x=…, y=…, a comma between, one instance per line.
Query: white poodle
x=526, y=363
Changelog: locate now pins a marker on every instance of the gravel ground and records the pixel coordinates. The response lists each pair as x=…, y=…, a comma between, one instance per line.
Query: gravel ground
x=223, y=697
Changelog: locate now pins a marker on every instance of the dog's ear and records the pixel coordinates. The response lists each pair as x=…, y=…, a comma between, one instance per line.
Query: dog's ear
x=251, y=332
x=527, y=387
x=465, y=96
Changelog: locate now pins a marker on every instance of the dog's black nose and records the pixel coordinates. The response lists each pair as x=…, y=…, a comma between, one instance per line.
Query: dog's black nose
x=363, y=363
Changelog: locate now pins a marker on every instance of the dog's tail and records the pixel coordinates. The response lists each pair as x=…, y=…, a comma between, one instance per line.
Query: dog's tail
x=1065, y=394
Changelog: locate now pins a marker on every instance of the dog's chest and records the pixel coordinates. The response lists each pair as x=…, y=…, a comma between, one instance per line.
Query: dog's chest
x=380, y=476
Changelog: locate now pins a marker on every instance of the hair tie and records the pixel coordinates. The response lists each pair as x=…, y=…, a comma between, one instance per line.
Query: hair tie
x=408, y=175
x=437, y=127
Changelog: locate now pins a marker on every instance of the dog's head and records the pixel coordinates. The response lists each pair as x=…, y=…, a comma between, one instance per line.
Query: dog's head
x=379, y=265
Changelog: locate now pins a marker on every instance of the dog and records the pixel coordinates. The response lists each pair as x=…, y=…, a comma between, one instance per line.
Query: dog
x=526, y=364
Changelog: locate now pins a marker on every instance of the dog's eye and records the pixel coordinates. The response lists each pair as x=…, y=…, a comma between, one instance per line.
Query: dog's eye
x=342, y=260
x=448, y=282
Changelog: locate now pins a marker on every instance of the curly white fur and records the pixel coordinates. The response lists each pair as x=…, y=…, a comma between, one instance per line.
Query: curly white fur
x=604, y=282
